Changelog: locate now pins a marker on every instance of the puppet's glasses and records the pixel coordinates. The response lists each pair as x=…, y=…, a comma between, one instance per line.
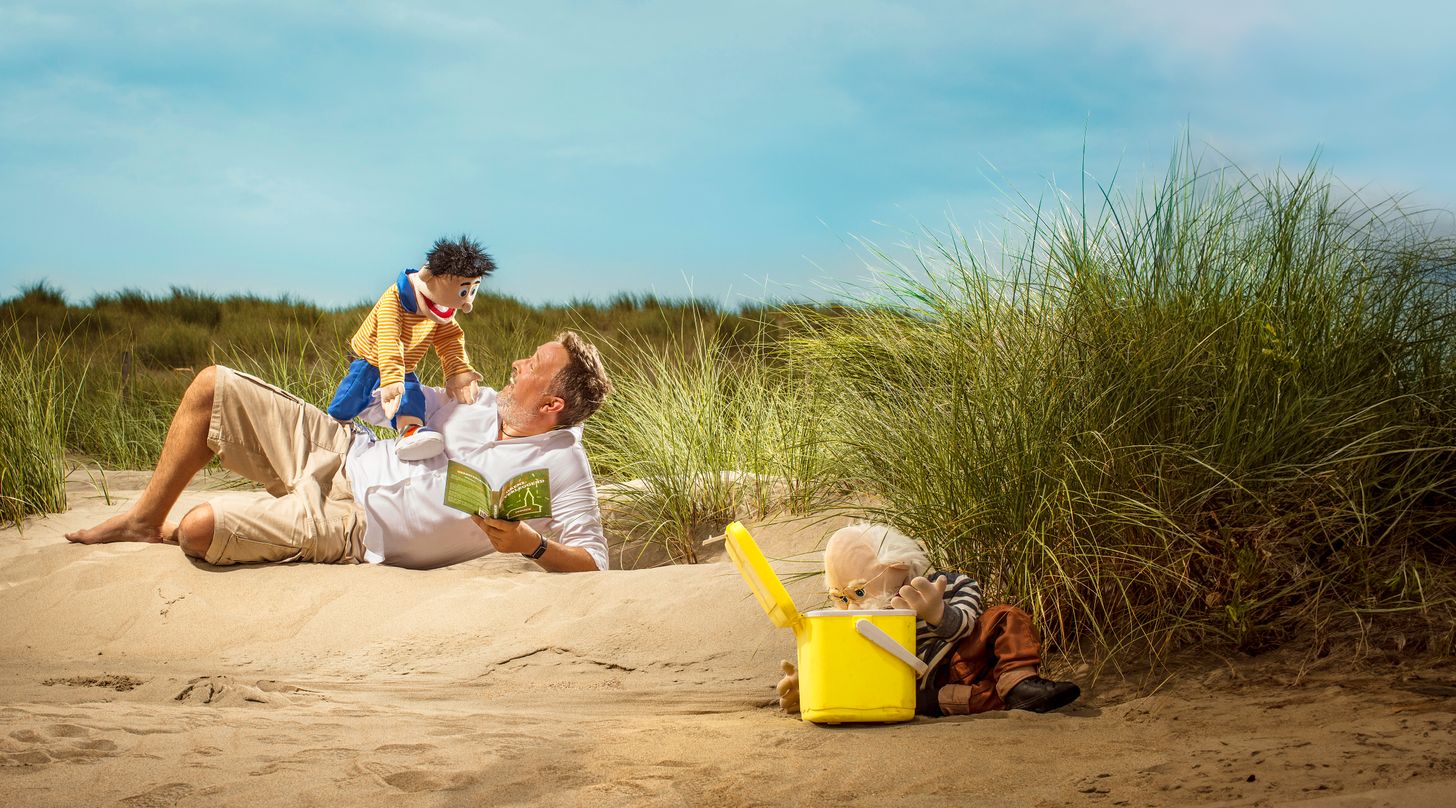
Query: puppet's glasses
x=854, y=591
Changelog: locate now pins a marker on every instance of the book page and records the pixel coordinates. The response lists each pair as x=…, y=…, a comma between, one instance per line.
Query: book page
x=466, y=490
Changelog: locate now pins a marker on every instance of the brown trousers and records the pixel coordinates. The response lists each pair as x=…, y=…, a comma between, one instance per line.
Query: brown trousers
x=1003, y=648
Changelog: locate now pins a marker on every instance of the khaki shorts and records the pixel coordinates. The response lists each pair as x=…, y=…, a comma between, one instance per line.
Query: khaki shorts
x=297, y=452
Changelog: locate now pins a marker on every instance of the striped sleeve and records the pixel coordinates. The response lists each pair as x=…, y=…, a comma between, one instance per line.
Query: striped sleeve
x=388, y=339
x=962, y=607
x=450, y=347
x=362, y=343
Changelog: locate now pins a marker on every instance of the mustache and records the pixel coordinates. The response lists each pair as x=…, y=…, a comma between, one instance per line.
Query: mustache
x=869, y=602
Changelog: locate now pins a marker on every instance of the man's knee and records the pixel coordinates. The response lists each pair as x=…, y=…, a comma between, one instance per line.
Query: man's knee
x=203, y=386
x=194, y=532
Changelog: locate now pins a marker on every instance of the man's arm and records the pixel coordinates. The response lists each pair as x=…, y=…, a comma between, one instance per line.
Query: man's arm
x=519, y=537
x=576, y=521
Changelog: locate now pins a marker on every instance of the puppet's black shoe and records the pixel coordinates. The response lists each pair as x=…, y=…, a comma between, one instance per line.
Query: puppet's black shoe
x=1040, y=695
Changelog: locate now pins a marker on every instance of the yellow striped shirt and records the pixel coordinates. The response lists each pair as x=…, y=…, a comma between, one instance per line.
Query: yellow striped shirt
x=395, y=340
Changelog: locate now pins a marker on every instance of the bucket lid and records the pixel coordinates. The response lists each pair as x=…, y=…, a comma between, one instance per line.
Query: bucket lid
x=760, y=576
x=861, y=613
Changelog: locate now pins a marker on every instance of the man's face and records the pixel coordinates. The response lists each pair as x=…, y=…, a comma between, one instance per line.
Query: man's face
x=448, y=294
x=528, y=390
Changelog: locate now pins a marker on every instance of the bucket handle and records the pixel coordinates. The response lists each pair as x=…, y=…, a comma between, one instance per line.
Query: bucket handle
x=877, y=635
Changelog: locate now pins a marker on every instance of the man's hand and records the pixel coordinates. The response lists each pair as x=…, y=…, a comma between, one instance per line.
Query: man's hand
x=507, y=536
x=390, y=397
x=925, y=597
x=464, y=387
x=788, y=687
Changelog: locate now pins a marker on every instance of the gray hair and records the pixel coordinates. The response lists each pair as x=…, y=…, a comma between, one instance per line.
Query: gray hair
x=893, y=547
x=582, y=382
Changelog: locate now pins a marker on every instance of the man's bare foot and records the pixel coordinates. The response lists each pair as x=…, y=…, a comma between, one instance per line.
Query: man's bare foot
x=122, y=527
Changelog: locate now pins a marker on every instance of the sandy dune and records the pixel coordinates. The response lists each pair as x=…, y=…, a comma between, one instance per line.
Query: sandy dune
x=134, y=677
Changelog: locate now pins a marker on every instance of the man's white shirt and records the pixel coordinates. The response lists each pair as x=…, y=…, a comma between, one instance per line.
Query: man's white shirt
x=407, y=522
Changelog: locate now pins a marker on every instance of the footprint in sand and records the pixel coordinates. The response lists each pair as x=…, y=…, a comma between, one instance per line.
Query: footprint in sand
x=163, y=796
x=55, y=743
x=225, y=691
x=415, y=780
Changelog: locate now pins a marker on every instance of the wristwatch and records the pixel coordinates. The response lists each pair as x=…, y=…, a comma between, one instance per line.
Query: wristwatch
x=539, y=551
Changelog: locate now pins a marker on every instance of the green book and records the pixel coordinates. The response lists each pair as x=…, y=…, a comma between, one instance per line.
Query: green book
x=524, y=496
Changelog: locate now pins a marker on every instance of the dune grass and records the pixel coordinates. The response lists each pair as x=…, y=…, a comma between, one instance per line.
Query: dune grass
x=1221, y=408
x=37, y=401
x=129, y=356
x=705, y=429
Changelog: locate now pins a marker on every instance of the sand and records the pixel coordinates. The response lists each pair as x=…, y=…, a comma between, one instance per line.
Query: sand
x=132, y=676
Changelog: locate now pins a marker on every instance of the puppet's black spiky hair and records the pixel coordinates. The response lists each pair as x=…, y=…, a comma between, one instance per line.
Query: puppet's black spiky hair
x=463, y=259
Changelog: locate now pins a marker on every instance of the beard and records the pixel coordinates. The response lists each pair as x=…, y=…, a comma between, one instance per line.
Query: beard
x=510, y=407
x=881, y=601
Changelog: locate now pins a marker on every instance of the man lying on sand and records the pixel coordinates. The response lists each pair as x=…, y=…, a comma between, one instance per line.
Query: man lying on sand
x=337, y=495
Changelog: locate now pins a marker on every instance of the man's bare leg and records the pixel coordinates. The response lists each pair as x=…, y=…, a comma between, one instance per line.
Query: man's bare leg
x=184, y=453
x=194, y=533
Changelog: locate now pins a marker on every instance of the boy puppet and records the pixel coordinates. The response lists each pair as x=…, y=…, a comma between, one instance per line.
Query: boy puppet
x=418, y=311
x=979, y=661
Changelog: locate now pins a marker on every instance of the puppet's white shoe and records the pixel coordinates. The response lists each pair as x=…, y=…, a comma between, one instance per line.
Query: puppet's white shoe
x=419, y=443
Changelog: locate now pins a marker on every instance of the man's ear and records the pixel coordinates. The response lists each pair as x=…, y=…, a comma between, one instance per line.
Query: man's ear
x=554, y=404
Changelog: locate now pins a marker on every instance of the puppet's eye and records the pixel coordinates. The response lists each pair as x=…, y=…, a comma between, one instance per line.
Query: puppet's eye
x=843, y=598
x=464, y=293
x=859, y=593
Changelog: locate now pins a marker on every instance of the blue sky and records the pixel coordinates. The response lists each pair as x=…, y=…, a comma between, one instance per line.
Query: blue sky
x=731, y=150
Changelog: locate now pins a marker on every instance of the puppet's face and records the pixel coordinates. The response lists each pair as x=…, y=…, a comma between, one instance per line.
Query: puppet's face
x=856, y=577
x=440, y=296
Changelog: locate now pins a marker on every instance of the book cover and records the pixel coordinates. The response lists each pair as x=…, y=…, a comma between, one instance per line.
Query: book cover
x=524, y=496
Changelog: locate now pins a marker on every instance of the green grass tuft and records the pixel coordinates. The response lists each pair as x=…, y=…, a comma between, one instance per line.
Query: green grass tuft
x=1222, y=408
x=703, y=431
x=36, y=405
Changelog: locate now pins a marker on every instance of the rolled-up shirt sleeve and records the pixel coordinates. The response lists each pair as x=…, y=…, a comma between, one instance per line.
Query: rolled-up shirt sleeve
x=576, y=518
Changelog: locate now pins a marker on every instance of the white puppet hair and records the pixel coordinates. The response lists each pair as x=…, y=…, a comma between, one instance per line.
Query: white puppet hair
x=893, y=547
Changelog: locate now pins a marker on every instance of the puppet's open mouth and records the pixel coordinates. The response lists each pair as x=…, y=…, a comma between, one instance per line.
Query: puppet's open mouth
x=443, y=312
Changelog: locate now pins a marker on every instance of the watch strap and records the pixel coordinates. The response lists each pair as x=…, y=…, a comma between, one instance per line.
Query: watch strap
x=539, y=551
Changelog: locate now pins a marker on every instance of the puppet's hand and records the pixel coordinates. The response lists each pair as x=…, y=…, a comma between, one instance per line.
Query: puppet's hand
x=927, y=598
x=463, y=387
x=390, y=397
x=788, y=688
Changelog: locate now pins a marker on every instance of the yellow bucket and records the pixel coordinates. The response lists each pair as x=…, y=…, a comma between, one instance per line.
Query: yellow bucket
x=853, y=665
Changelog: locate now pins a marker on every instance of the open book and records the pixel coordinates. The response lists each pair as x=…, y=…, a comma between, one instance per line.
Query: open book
x=524, y=496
